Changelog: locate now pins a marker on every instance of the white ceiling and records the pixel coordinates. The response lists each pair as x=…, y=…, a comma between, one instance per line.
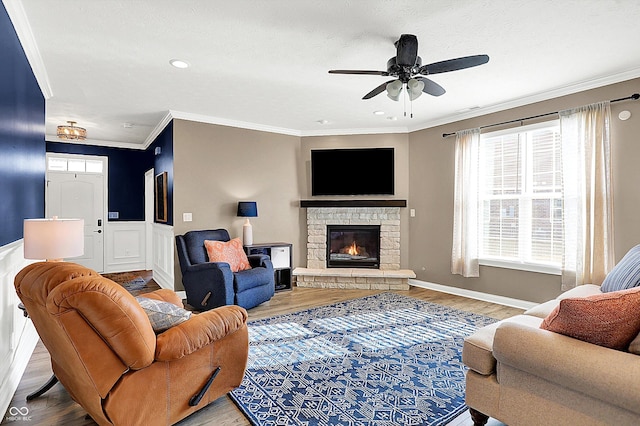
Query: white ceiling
x=263, y=64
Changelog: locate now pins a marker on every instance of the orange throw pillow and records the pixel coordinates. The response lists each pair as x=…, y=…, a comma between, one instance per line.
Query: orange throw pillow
x=230, y=252
x=609, y=319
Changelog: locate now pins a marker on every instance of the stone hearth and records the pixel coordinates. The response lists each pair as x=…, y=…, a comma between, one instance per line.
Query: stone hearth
x=388, y=277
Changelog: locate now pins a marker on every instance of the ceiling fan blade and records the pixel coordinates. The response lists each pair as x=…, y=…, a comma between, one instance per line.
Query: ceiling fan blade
x=377, y=90
x=454, y=64
x=406, y=50
x=383, y=73
x=431, y=87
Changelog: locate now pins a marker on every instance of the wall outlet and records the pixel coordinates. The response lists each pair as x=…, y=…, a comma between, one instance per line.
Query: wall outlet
x=187, y=217
x=412, y=212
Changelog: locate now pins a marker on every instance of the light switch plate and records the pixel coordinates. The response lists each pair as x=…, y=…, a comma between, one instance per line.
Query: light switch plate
x=187, y=217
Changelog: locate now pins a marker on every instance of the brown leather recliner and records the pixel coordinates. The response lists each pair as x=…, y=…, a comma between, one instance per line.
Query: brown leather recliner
x=107, y=356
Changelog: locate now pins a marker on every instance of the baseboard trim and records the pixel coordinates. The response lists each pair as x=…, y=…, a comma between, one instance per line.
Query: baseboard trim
x=477, y=295
x=22, y=355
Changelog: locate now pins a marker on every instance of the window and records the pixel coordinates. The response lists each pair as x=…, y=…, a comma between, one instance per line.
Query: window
x=521, y=223
x=59, y=164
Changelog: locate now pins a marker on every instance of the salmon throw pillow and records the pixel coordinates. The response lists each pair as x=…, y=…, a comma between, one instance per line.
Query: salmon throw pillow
x=230, y=252
x=608, y=319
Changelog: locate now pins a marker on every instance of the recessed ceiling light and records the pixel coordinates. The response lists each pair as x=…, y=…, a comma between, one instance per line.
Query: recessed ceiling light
x=323, y=121
x=178, y=63
x=378, y=112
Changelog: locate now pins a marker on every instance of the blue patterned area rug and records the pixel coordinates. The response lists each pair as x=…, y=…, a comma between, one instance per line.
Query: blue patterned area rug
x=135, y=284
x=386, y=359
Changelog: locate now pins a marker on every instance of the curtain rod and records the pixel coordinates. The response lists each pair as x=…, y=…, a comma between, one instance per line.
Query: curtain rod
x=635, y=96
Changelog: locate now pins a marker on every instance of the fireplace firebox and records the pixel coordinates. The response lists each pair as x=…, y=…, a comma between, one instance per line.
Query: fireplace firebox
x=353, y=246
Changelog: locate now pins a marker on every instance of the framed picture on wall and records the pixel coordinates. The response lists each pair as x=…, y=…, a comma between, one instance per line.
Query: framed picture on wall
x=161, y=197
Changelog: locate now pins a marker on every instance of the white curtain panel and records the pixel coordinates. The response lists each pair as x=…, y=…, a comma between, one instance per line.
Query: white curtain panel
x=588, y=197
x=464, y=253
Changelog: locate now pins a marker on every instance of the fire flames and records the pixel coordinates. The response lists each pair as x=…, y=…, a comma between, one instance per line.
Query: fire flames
x=352, y=249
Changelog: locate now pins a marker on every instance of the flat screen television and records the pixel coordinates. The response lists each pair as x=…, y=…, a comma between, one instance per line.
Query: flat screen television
x=358, y=171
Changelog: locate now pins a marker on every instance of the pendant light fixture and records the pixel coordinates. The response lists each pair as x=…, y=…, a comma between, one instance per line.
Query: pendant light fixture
x=71, y=132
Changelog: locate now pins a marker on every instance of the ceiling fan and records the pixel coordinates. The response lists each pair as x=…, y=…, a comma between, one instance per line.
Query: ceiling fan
x=407, y=67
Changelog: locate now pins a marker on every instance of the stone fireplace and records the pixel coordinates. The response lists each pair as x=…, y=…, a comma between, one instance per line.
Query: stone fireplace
x=325, y=217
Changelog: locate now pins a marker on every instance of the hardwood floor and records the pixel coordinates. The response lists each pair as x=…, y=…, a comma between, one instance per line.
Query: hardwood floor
x=56, y=407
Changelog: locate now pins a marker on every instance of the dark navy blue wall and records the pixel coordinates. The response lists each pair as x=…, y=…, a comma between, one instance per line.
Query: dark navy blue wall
x=164, y=163
x=126, y=176
x=22, y=146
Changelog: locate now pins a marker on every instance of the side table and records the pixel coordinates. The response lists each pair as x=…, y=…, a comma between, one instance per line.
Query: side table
x=281, y=255
x=52, y=380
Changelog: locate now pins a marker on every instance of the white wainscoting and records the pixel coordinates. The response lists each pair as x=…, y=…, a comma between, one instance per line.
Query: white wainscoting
x=163, y=255
x=18, y=336
x=125, y=247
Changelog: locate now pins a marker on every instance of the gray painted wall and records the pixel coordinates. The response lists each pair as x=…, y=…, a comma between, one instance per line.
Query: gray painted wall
x=431, y=171
x=215, y=166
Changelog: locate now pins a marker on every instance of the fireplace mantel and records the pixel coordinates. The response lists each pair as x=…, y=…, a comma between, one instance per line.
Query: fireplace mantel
x=353, y=203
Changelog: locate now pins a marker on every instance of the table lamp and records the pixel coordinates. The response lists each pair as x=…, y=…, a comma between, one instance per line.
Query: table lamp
x=247, y=209
x=53, y=239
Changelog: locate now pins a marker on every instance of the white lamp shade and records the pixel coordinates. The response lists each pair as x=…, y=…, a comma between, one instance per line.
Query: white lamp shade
x=414, y=88
x=53, y=238
x=393, y=89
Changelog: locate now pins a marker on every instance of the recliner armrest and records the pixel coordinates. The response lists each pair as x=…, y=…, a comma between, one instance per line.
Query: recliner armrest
x=165, y=295
x=199, y=331
x=210, y=283
x=259, y=260
x=207, y=266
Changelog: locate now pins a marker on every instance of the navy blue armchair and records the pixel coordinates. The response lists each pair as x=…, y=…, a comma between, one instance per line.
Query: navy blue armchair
x=212, y=284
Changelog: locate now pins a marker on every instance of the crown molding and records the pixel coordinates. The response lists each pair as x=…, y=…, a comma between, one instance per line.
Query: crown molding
x=539, y=97
x=20, y=22
x=346, y=132
x=281, y=130
x=96, y=142
x=200, y=118
x=181, y=115
x=157, y=130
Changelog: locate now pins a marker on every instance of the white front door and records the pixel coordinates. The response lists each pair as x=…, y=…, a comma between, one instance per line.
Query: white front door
x=79, y=192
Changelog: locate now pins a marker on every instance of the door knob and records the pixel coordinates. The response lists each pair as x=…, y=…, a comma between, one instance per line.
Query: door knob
x=99, y=231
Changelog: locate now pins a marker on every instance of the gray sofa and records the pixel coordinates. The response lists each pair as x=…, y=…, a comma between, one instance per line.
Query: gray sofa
x=521, y=374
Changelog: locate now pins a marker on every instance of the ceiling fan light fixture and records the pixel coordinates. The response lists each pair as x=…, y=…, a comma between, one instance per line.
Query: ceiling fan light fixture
x=71, y=132
x=393, y=90
x=414, y=88
x=407, y=67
